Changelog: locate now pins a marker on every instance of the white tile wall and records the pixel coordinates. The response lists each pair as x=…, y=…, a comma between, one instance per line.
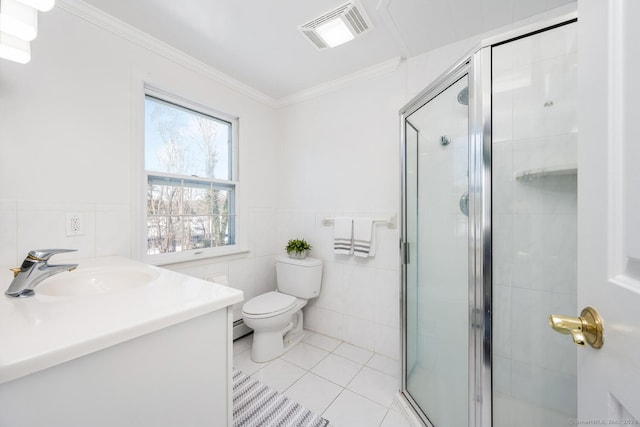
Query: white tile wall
x=332, y=170
x=263, y=234
x=325, y=321
x=113, y=230
x=107, y=231
x=332, y=293
x=359, y=298
x=534, y=228
x=33, y=225
x=42, y=225
x=358, y=332
x=359, y=291
x=9, y=235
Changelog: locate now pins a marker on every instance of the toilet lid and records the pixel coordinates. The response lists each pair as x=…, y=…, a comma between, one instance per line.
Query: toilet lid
x=271, y=302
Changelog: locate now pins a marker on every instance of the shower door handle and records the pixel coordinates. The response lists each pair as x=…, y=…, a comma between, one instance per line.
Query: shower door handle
x=404, y=252
x=586, y=329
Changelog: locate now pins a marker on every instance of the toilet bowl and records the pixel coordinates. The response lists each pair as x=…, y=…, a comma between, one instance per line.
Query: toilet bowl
x=277, y=324
x=276, y=317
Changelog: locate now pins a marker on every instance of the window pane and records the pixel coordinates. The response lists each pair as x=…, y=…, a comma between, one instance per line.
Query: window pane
x=183, y=214
x=164, y=234
x=164, y=199
x=185, y=142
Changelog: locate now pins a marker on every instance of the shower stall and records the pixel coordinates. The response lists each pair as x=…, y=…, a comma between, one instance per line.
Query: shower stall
x=489, y=234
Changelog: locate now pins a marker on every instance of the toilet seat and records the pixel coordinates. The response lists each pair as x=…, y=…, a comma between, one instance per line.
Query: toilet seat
x=268, y=305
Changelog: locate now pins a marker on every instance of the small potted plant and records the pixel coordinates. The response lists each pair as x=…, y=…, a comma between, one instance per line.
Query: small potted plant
x=297, y=248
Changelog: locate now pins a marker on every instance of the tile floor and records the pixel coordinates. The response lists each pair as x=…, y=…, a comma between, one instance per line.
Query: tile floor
x=345, y=384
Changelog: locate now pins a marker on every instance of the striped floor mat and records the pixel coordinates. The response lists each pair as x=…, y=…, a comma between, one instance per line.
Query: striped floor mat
x=258, y=405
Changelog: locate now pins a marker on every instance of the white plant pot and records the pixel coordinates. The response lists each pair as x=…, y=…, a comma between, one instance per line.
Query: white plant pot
x=298, y=255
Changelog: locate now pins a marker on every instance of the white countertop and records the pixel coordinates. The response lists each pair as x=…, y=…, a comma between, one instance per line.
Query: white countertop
x=44, y=330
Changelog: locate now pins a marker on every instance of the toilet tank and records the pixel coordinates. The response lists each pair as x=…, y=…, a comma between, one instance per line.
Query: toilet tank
x=299, y=277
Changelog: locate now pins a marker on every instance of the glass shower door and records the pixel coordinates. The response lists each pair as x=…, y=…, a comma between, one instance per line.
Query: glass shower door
x=534, y=226
x=436, y=340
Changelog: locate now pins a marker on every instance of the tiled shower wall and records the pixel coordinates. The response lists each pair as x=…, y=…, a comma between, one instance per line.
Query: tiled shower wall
x=534, y=227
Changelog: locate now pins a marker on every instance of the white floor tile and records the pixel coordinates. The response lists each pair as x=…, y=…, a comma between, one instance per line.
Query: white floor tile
x=352, y=410
x=279, y=374
x=337, y=369
x=354, y=353
x=395, y=418
x=375, y=385
x=243, y=362
x=304, y=355
x=313, y=392
x=385, y=364
x=316, y=371
x=322, y=341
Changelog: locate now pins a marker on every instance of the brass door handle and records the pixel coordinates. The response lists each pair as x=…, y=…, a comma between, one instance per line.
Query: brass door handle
x=586, y=329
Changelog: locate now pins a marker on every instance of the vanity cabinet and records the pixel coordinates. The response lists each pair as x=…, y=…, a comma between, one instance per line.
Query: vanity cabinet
x=157, y=356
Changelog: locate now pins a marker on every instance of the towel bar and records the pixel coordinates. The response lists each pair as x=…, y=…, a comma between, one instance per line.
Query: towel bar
x=391, y=222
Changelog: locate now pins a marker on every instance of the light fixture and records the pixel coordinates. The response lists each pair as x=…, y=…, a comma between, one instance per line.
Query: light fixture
x=18, y=26
x=14, y=49
x=335, y=32
x=18, y=19
x=337, y=26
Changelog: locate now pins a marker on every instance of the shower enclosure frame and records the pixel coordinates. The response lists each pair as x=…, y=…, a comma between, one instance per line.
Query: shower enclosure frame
x=477, y=65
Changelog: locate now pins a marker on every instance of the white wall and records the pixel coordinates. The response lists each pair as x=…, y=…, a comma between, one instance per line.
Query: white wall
x=340, y=156
x=66, y=131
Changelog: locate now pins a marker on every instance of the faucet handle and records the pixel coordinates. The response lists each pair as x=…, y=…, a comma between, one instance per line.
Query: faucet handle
x=45, y=254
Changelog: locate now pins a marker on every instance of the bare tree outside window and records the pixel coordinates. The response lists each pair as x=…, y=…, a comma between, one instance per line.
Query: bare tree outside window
x=189, y=191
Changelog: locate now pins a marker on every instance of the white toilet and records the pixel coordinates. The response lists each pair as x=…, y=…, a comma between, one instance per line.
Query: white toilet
x=276, y=317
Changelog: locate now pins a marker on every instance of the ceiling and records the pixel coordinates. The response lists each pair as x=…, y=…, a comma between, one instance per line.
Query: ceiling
x=258, y=43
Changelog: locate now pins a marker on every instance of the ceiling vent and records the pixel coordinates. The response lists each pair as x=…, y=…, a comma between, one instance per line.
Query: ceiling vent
x=338, y=26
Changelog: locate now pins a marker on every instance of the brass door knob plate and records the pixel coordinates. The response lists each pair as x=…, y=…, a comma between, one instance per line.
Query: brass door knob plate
x=586, y=329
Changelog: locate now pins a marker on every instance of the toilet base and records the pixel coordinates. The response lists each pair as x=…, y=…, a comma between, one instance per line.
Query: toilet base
x=267, y=345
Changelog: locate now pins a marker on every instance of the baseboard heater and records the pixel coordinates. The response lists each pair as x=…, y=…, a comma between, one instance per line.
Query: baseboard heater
x=240, y=329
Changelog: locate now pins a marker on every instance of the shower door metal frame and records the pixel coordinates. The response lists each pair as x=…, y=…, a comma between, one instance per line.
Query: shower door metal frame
x=459, y=70
x=477, y=64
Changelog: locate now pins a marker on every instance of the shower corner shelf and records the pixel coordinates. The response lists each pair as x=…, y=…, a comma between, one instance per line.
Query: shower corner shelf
x=558, y=170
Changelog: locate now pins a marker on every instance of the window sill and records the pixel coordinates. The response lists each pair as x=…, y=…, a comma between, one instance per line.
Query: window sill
x=191, y=256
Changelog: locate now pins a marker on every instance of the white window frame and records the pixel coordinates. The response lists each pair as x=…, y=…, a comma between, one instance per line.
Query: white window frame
x=141, y=175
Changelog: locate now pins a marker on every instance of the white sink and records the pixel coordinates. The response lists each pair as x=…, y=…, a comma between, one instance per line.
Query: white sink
x=94, y=281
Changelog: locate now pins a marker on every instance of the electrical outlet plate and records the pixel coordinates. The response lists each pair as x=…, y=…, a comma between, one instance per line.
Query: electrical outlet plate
x=75, y=224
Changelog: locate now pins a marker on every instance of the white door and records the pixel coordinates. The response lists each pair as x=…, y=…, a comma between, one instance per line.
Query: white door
x=609, y=209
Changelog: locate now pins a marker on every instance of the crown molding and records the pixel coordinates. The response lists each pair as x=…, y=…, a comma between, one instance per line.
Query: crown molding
x=120, y=28
x=333, y=85
x=128, y=32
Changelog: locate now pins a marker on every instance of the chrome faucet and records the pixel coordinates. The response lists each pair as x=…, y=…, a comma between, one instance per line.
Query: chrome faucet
x=35, y=269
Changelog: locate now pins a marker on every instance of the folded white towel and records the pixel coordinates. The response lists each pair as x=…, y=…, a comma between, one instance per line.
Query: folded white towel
x=343, y=236
x=363, y=237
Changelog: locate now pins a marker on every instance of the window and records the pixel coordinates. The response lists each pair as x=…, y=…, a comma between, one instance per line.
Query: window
x=189, y=162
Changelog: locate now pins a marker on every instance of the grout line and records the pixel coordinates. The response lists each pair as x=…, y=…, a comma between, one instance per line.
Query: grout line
x=334, y=399
x=343, y=388
x=385, y=415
